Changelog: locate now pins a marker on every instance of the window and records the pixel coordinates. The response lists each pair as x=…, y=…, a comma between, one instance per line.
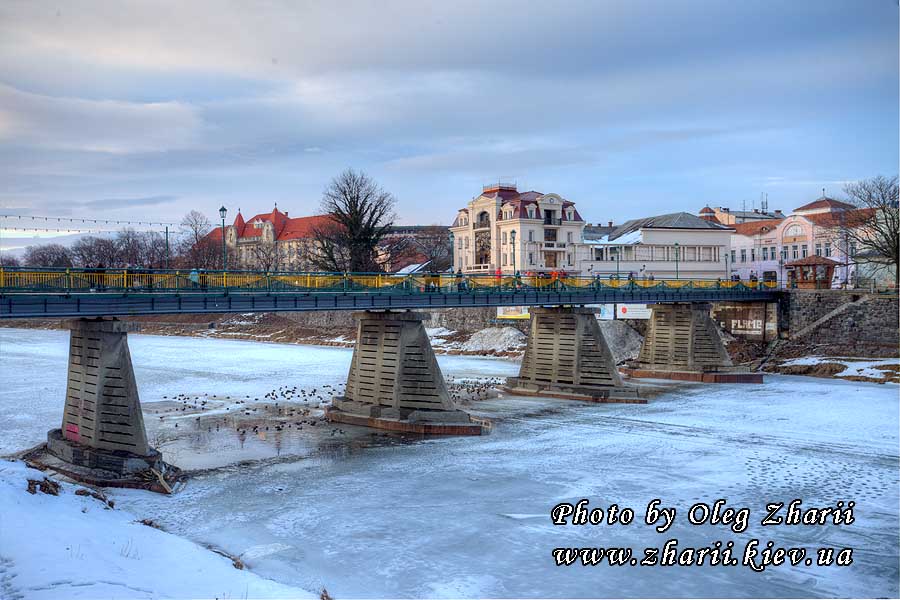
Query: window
x=803, y=250
x=794, y=231
x=794, y=253
x=531, y=235
x=827, y=249
x=765, y=253
x=818, y=249
x=772, y=252
x=569, y=237
x=752, y=254
x=743, y=255
x=512, y=257
x=504, y=239
x=459, y=244
x=504, y=259
x=784, y=253
x=467, y=243
x=530, y=212
x=733, y=256
x=569, y=259
x=530, y=258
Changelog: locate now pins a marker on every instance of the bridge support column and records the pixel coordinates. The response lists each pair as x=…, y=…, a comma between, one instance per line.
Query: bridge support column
x=682, y=342
x=102, y=440
x=567, y=357
x=395, y=382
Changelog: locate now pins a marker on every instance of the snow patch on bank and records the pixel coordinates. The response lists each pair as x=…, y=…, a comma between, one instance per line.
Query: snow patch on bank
x=70, y=546
x=853, y=367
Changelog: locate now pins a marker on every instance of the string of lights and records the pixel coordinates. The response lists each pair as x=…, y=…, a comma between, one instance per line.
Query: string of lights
x=81, y=220
x=73, y=230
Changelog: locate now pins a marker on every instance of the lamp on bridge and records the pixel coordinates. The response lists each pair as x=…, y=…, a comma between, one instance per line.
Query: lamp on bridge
x=677, y=251
x=512, y=237
x=452, y=252
x=222, y=212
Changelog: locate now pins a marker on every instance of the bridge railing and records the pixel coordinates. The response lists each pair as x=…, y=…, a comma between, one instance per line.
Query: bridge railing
x=86, y=280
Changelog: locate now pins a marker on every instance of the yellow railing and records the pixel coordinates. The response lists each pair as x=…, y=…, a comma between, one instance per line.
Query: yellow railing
x=124, y=280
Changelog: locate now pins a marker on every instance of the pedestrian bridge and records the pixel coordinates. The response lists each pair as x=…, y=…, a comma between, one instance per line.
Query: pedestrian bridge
x=395, y=381
x=46, y=292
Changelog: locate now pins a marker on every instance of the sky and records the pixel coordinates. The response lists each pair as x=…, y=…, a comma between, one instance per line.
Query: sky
x=146, y=110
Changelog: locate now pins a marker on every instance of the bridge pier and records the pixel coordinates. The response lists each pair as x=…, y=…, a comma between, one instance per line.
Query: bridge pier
x=567, y=357
x=395, y=382
x=682, y=343
x=102, y=440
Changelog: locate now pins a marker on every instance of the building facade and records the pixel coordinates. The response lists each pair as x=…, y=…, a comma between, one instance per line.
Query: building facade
x=507, y=230
x=270, y=241
x=762, y=249
x=678, y=245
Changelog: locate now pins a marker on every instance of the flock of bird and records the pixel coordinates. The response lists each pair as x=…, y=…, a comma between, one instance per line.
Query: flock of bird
x=288, y=407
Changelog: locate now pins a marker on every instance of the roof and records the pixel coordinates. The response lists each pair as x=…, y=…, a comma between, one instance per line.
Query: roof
x=813, y=260
x=679, y=220
x=285, y=228
x=596, y=232
x=826, y=202
x=706, y=210
x=855, y=217
x=756, y=227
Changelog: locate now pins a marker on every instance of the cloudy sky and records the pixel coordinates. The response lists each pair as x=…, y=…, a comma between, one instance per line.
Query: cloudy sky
x=629, y=108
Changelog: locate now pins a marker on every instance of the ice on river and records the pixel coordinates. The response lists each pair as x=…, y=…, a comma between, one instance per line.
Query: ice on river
x=372, y=515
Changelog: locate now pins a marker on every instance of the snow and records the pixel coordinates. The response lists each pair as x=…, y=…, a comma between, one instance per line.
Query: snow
x=70, y=546
x=497, y=339
x=374, y=514
x=861, y=367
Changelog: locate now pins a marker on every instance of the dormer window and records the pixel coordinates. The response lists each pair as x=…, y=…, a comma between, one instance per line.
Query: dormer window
x=530, y=212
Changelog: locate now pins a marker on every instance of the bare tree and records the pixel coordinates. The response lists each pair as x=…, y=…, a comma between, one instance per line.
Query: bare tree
x=874, y=228
x=433, y=243
x=49, y=255
x=195, y=248
x=266, y=256
x=95, y=252
x=8, y=260
x=361, y=214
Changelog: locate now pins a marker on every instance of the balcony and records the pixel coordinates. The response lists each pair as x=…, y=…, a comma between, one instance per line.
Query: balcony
x=554, y=245
x=482, y=224
x=552, y=222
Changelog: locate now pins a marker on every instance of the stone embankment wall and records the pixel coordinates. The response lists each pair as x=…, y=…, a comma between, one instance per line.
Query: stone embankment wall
x=845, y=320
x=463, y=320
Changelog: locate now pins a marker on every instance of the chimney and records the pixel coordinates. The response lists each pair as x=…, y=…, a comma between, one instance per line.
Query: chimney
x=610, y=224
x=778, y=211
x=285, y=213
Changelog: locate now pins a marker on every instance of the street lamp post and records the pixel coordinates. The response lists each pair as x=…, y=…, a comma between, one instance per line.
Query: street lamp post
x=452, y=253
x=222, y=212
x=512, y=236
x=677, y=252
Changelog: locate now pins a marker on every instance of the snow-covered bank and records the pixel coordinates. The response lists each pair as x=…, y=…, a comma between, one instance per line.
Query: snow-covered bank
x=876, y=370
x=73, y=546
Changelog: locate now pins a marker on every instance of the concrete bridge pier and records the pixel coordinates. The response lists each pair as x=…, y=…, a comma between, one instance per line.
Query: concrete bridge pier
x=102, y=440
x=395, y=382
x=567, y=357
x=682, y=342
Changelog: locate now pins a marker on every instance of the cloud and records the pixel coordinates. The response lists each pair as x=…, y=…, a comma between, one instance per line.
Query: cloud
x=118, y=203
x=94, y=125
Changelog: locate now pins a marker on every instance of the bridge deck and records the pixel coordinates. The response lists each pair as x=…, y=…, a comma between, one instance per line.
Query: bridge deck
x=30, y=293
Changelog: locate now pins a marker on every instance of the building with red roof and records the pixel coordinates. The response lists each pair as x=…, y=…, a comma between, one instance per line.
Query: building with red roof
x=270, y=241
x=771, y=249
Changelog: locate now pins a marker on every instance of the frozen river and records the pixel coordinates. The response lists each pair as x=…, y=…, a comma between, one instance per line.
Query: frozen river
x=372, y=515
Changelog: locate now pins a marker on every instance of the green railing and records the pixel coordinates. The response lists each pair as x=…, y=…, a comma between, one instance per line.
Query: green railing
x=74, y=280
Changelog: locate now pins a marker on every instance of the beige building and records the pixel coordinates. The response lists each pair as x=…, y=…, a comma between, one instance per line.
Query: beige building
x=678, y=245
x=507, y=230
x=726, y=216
